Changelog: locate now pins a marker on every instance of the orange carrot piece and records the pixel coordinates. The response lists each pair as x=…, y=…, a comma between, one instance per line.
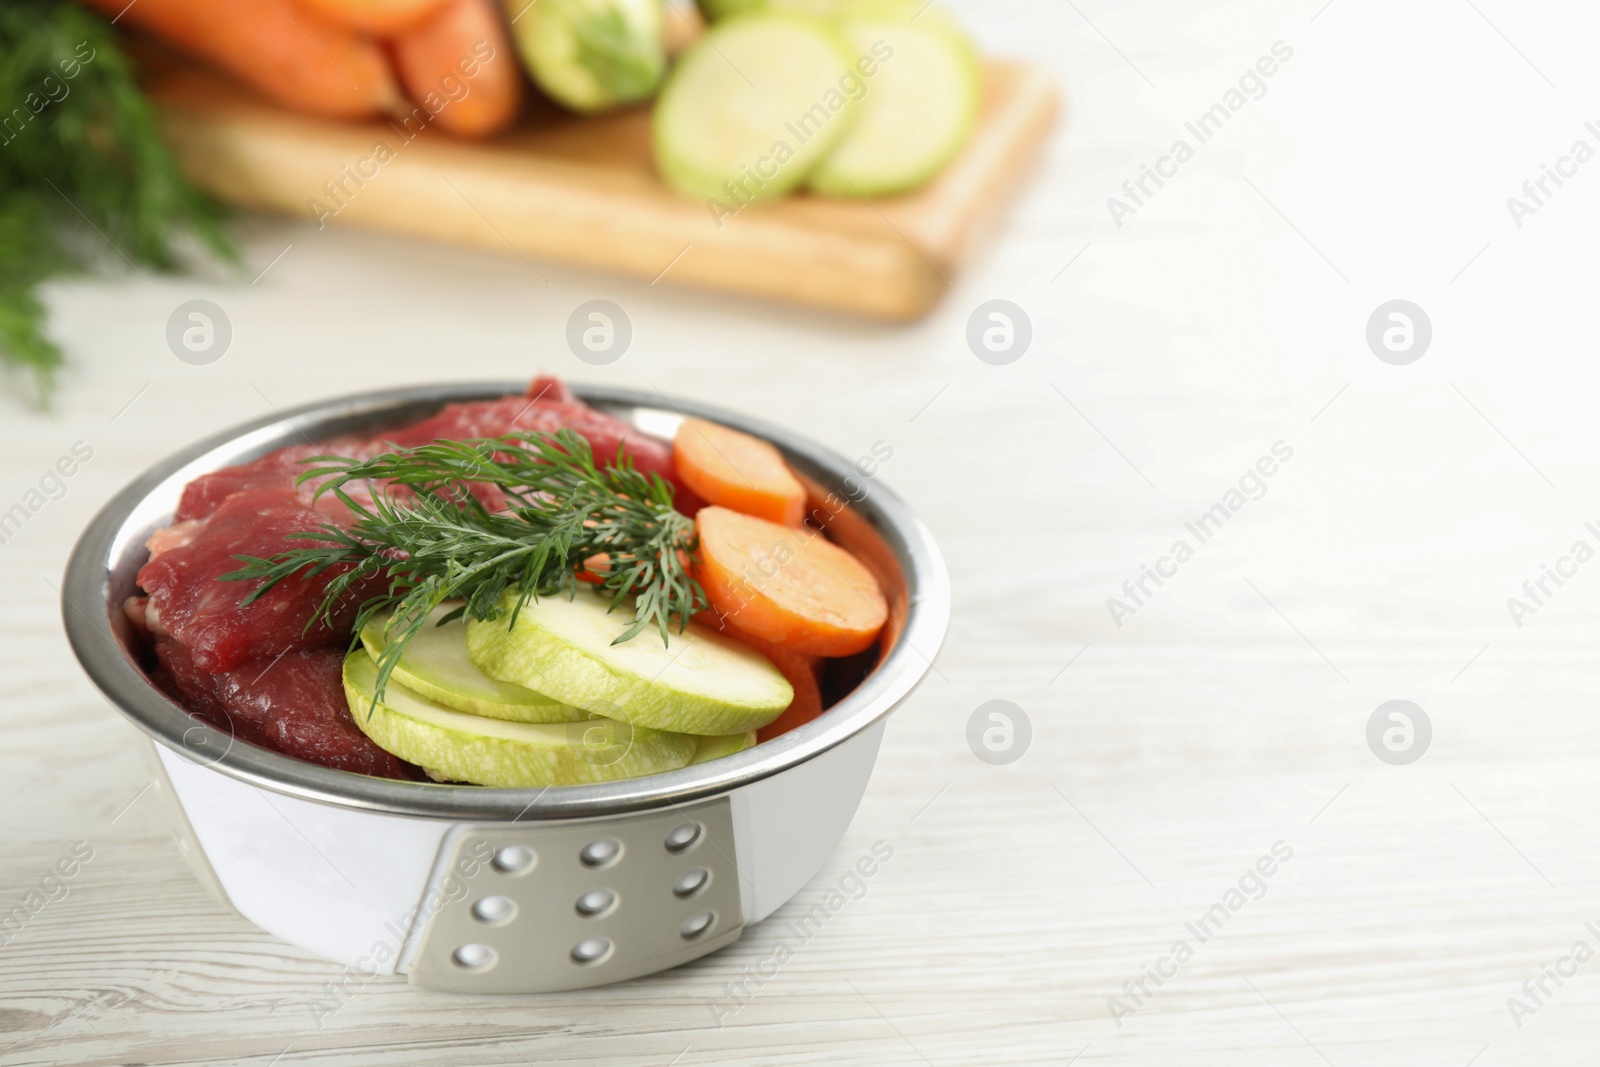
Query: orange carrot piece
x=807, y=705
x=738, y=471
x=381, y=18
x=789, y=586
x=592, y=568
x=288, y=53
x=800, y=670
x=460, y=66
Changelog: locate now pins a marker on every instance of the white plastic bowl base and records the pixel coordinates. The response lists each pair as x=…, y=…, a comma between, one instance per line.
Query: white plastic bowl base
x=345, y=884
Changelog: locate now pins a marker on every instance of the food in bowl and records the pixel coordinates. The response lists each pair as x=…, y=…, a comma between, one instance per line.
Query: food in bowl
x=518, y=592
x=416, y=877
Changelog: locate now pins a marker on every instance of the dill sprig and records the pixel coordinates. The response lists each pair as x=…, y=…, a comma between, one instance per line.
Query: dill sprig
x=433, y=541
x=82, y=165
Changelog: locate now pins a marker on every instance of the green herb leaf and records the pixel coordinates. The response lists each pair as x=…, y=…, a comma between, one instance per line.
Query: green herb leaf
x=433, y=541
x=82, y=165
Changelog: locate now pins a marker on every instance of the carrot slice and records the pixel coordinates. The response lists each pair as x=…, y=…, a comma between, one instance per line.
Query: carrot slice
x=287, y=52
x=738, y=471
x=383, y=18
x=786, y=585
x=460, y=66
x=800, y=670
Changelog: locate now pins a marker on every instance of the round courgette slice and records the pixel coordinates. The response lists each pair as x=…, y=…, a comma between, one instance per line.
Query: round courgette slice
x=435, y=664
x=716, y=747
x=752, y=107
x=591, y=54
x=699, y=683
x=921, y=103
x=721, y=9
x=456, y=747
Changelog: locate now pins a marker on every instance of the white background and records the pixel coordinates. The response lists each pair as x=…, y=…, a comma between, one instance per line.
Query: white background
x=1229, y=713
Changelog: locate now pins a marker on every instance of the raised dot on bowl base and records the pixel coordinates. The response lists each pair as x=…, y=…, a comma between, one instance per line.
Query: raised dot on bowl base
x=595, y=903
x=681, y=837
x=601, y=852
x=691, y=883
x=591, y=950
x=494, y=909
x=514, y=859
x=698, y=924
x=473, y=957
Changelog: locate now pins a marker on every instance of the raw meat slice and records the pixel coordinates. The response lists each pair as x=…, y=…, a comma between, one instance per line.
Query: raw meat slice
x=548, y=406
x=255, y=672
x=136, y=609
x=545, y=387
x=278, y=469
x=194, y=688
x=296, y=704
x=293, y=704
x=208, y=615
x=275, y=470
x=494, y=418
x=175, y=536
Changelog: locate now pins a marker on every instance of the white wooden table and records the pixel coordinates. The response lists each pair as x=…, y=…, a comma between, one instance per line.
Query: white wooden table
x=1228, y=713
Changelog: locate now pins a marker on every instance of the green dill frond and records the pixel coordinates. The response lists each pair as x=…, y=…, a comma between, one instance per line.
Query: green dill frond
x=81, y=163
x=434, y=542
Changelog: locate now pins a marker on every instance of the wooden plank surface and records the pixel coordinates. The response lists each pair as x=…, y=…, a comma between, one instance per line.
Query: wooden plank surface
x=584, y=191
x=1167, y=758
x=1168, y=754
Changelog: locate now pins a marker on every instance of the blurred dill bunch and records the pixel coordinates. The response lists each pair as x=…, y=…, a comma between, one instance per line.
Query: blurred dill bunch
x=81, y=162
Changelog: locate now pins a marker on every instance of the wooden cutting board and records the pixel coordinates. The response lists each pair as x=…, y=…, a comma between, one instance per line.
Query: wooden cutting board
x=559, y=188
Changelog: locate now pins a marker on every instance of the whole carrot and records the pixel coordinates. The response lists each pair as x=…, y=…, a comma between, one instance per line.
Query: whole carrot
x=381, y=18
x=285, y=51
x=459, y=65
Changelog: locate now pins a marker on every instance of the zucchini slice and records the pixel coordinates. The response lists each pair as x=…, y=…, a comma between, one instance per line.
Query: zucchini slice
x=591, y=54
x=436, y=665
x=920, y=106
x=714, y=10
x=701, y=683
x=455, y=747
x=716, y=747
x=752, y=107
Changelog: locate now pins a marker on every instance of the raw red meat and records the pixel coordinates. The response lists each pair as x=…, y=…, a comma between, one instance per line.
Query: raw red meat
x=494, y=418
x=548, y=406
x=194, y=688
x=175, y=536
x=293, y=704
x=296, y=704
x=254, y=672
x=207, y=615
x=276, y=470
x=544, y=387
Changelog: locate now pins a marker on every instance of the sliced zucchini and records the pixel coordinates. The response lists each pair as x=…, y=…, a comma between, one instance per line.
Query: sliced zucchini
x=921, y=103
x=712, y=10
x=753, y=106
x=702, y=683
x=435, y=664
x=716, y=747
x=721, y=9
x=452, y=746
x=592, y=54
